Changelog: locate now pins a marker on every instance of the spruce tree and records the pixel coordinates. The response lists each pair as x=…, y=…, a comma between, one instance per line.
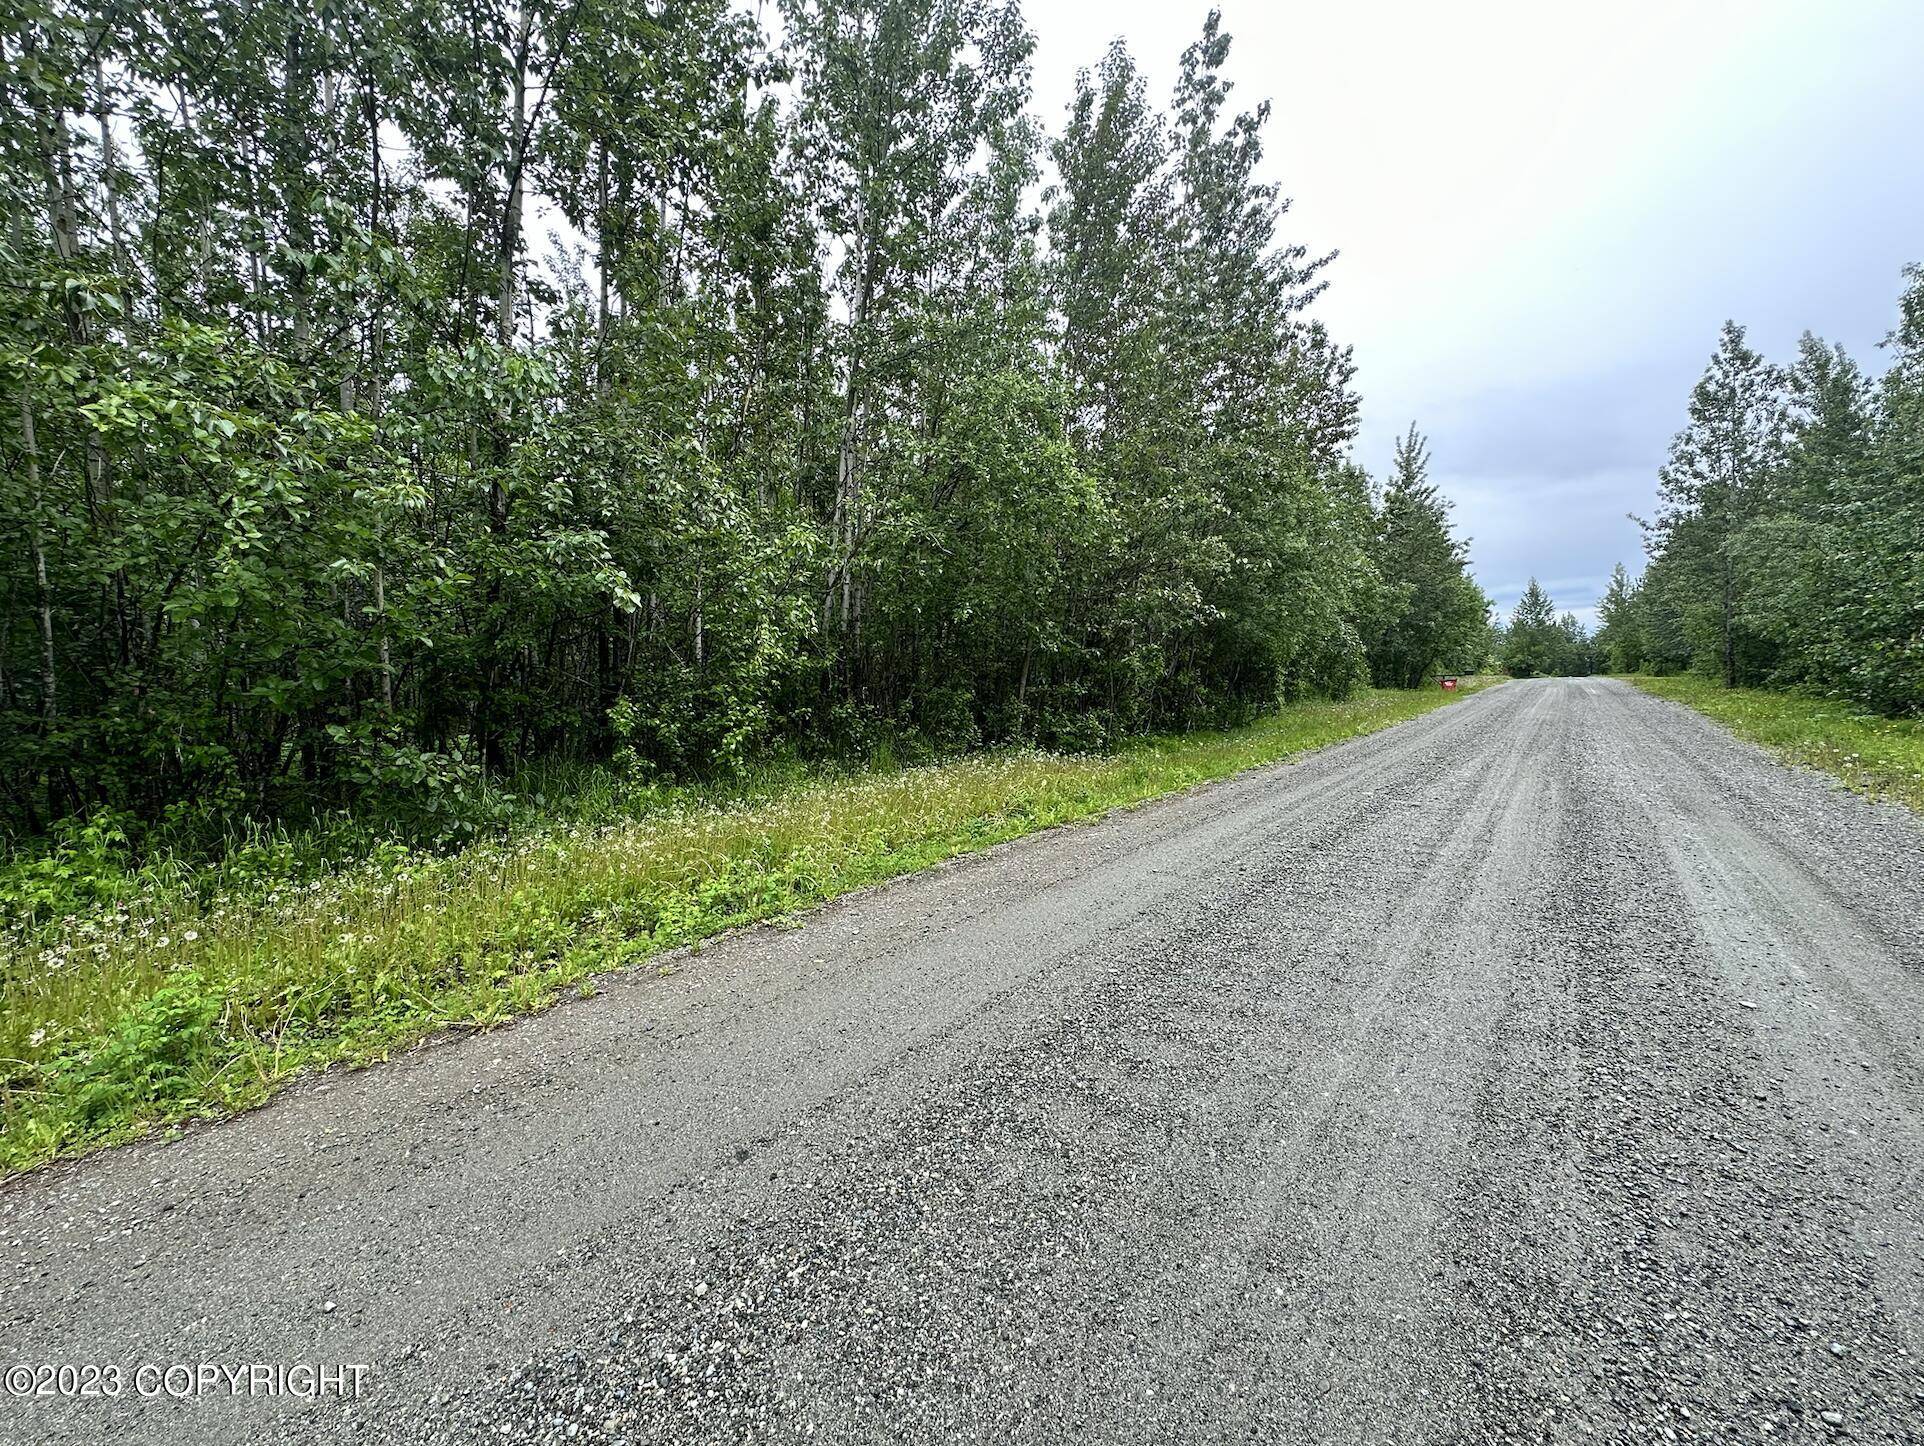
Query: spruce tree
x=1434, y=614
x=1532, y=643
x=1619, y=637
x=1886, y=666
x=1715, y=483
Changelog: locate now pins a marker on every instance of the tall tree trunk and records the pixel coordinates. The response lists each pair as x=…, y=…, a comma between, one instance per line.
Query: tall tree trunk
x=1729, y=643
x=62, y=218
x=63, y=211
x=602, y=262
x=380, y=622
x=700, y=648
x=49, y=679
x=109, y=166
x=848, y=479
x=300, y=233
x=257, y=283
x=516, y=162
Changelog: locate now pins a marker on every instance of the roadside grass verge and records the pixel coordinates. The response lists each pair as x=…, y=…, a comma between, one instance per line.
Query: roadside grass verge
x=1877, y=756
x=181, y=1002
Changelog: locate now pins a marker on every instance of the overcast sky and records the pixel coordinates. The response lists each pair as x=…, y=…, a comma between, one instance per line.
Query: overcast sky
x=1545, y=211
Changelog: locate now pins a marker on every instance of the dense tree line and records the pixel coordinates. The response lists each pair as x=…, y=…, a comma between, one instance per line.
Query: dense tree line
x=1788, y=549
x=1535, y=642
x=402, y=392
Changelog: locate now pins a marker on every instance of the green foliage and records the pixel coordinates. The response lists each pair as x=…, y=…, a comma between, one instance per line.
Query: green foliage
x=150, y=1058
x=325, y=488
x=1434, y=617
x=1538, y=644
x=1620, y=639
x=84, y=864
x=1788, y=551
x=1712, y=491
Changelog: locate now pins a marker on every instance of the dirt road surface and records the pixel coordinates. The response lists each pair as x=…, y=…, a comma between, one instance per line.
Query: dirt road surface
x=1550, y=1068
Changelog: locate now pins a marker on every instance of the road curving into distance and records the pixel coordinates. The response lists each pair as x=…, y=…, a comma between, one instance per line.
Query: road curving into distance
x=1548, y=1068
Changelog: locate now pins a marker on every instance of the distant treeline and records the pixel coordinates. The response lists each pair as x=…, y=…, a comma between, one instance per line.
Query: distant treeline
x=1788, y=548
x=1534, y=642
x=404, y=392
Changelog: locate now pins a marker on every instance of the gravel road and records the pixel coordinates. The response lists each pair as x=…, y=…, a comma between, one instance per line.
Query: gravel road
x=1545, y=1069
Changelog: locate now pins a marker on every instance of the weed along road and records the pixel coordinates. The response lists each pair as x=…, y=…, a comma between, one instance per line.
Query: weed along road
x=1548, y=1068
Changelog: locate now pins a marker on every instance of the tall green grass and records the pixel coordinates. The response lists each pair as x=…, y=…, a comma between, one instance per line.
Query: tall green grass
x=1876, y=756
x=183, y=993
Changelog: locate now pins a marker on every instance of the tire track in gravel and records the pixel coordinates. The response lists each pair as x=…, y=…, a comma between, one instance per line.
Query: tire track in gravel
x=1141, y=1083
x=1708, y=1251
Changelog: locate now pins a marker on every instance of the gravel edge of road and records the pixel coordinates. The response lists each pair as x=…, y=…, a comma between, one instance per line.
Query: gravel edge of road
x=1870, y=790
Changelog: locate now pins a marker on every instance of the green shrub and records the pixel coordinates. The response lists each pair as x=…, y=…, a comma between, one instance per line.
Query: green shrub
x=86, y=865
x=151, y=1057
